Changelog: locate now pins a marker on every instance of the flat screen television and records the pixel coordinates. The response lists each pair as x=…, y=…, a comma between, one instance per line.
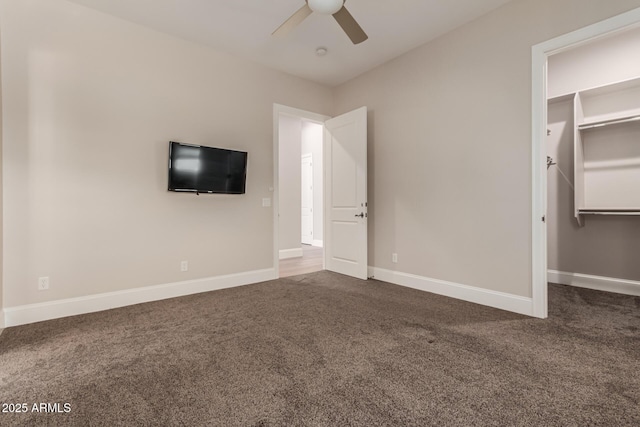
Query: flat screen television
x=201, y=169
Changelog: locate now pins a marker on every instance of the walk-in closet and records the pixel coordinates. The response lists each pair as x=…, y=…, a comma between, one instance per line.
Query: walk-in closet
x=593, y=165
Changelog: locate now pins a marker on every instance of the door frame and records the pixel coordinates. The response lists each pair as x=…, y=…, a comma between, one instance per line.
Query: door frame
x=539, y=55
x=279, y=110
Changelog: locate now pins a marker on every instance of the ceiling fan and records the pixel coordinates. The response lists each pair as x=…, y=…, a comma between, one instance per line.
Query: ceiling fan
x=325, y=7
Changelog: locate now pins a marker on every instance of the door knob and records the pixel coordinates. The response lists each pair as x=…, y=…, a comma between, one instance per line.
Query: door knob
x=361, y=215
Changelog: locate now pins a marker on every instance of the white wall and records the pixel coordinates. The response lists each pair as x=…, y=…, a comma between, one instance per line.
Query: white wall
x=312, y=134
x=289, y=173
x=90, y=103
x=450, y=145
x=607, y=245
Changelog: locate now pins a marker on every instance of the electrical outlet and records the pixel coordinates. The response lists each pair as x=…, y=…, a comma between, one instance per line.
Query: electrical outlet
x=43, y=283
x=184, y=266
x=394, y=257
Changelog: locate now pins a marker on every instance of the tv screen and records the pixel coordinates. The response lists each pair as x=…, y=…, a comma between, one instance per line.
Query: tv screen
x=203, y=169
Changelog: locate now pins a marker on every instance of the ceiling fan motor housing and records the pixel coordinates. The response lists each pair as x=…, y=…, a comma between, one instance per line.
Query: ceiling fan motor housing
x=326, y=7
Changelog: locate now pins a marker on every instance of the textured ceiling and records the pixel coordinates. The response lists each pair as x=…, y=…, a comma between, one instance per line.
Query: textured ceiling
x=244, y=27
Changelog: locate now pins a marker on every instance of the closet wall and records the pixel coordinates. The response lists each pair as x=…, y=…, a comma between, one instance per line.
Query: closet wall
x=607, y=245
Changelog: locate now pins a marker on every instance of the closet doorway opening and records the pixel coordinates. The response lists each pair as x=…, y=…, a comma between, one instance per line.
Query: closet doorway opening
x=593, y=201
x=586, y=91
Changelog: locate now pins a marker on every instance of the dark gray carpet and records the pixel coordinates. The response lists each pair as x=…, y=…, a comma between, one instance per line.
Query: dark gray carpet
x=327, y=350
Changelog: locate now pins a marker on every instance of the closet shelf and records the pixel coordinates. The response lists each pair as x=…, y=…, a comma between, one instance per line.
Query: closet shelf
x=628, y=212
x=604, y=186
x=615, y=121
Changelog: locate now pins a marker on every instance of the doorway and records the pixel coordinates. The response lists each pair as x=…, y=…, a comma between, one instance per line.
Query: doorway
x=540, y=56
x=299, y=191
x=343, y=179
x=602, y=79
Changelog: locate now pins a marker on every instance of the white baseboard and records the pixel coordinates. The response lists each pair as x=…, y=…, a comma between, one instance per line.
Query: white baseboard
x=1, y=320
x=318, y=243
x=21, y=315
x=290, y=253
x=598, y=283
x=501, y=300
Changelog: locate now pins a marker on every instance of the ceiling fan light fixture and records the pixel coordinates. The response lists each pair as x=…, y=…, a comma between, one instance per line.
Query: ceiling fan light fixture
x=326, y=7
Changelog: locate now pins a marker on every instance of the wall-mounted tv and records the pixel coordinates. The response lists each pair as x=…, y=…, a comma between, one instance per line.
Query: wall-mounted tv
x=201, y=169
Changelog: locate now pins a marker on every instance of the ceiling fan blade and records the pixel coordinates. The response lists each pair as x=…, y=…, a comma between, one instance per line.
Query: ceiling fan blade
x=293, y=21
x=350, y=26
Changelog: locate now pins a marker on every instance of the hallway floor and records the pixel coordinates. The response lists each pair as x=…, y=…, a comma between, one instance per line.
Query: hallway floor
x=310, y=261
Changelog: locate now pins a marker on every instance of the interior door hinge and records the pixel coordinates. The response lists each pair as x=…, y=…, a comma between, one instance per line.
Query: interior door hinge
x=544, y=218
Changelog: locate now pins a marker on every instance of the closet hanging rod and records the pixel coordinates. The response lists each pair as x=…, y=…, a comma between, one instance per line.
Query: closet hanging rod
x=609, y=122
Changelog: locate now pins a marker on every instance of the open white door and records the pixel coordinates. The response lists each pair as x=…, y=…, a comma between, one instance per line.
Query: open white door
x=346, y=193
